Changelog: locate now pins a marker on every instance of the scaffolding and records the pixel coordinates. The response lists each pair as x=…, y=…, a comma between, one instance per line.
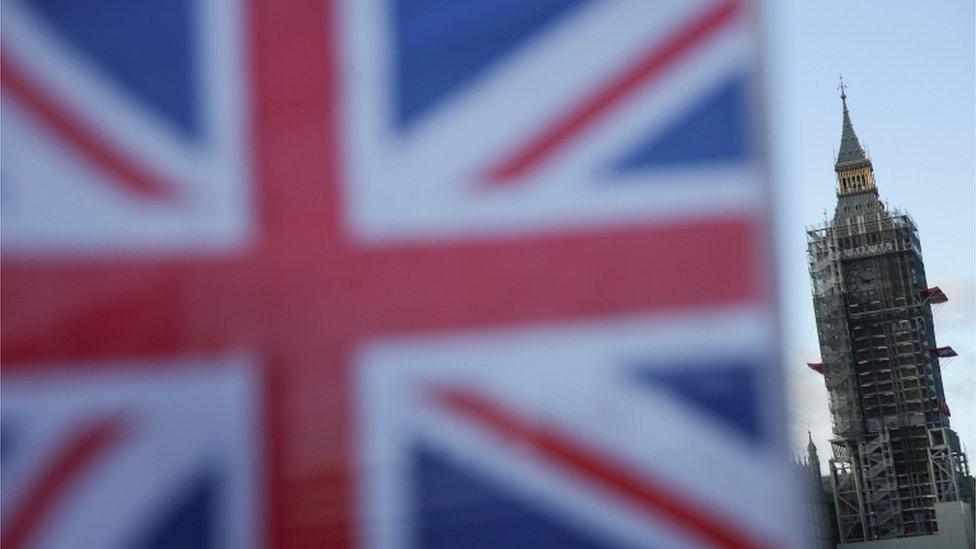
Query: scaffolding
x=845, y=484
x=948, y=467
x=895, y=455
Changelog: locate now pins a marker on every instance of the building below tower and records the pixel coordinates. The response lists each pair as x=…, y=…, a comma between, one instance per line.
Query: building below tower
x=818, y=512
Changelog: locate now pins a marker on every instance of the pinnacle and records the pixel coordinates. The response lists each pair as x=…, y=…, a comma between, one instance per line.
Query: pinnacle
x=851, y=153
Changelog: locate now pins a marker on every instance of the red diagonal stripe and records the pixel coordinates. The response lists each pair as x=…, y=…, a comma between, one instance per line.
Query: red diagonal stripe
x=656, y=499
x=648, y=66
x=132, y=178
x=77, y=455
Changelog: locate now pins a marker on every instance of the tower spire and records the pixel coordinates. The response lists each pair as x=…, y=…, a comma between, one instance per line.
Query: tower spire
x=813, y=460
x=855, y=175
x=851, y=153
x=812, y=448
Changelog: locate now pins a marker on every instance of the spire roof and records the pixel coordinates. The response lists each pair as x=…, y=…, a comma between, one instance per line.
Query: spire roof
x=851, y=153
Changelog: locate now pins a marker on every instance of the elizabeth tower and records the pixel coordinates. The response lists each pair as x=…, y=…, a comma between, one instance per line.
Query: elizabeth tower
x=894, y=454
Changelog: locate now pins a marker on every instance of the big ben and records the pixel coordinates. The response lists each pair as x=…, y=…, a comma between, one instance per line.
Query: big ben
x=895, y=456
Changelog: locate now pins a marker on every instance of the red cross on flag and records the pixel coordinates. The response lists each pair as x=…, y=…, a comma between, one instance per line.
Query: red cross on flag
x=387, y=273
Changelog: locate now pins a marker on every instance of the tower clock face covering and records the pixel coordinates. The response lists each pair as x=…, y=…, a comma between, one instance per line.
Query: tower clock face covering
x=863, y=279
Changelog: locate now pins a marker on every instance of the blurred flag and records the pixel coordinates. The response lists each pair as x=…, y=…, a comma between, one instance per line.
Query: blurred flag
x=124, y=127
x=387, y=273
x=160, y=455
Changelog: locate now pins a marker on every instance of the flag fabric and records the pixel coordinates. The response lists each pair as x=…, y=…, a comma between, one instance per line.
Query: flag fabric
x=599, y=434
x=125, y=128
x=387, y=273
x=554, y=116
x=77, y=451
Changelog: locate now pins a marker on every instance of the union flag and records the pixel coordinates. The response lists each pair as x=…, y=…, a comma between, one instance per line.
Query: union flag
x=387, y=273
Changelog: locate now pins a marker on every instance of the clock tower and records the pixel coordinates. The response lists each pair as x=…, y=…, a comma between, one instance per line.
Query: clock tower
x=895, y=455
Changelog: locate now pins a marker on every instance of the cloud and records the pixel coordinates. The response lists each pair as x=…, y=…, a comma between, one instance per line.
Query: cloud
x=955, y=325
x=807, y=401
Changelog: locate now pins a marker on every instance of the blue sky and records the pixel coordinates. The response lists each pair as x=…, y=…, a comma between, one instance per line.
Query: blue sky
x=911, y=82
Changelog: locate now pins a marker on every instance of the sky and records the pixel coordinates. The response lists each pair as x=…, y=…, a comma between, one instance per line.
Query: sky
x=910, y=71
